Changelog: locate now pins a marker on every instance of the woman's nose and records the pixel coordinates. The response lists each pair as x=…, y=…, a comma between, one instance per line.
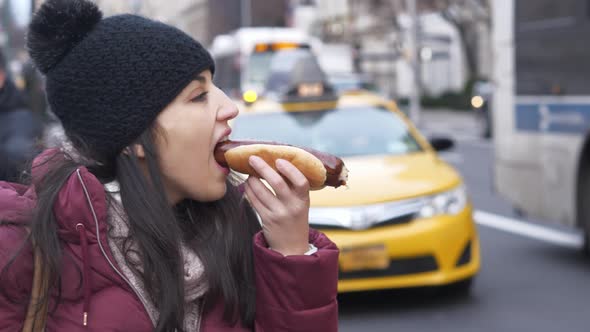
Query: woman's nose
x=227, y=111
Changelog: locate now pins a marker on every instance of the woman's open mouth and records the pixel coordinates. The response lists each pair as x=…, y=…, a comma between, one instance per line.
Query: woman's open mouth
x=224, y=169
x=218, y=153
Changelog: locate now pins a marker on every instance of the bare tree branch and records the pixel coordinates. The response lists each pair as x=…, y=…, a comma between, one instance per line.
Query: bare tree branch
x=465, y=15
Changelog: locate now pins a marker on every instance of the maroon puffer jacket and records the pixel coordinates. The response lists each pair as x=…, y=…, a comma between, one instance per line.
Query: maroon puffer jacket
x=294, y=293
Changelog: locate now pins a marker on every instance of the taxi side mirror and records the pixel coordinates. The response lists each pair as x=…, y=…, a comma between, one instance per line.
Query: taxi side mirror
x=442, y=143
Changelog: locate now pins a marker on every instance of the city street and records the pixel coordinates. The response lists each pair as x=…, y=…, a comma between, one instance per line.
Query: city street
x=533, y=276
x=128, y=123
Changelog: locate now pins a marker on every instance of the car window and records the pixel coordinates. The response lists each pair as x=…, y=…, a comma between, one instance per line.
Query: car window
x=344, y=132
x=258, y=68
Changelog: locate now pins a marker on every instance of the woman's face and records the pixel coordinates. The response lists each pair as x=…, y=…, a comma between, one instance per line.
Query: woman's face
x=191, y=126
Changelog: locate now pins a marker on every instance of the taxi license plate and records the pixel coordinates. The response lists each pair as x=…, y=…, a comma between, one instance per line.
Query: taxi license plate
x=364, y=258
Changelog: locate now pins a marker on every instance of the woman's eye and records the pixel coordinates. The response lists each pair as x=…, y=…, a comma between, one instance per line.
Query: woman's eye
x=200, y=98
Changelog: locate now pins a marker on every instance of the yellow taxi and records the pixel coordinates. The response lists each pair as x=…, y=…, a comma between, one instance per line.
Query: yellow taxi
x=404, y=219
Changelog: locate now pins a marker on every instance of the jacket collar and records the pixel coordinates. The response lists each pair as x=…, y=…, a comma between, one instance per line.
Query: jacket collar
x=81, y=200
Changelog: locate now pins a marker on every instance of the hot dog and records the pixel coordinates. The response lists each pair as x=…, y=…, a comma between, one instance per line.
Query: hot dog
x=321, y=169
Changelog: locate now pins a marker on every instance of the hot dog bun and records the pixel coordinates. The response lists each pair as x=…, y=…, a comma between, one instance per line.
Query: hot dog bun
x=308, y=164
x=320, y=169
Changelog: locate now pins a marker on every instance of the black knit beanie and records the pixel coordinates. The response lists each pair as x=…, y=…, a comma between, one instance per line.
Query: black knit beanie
x=108, y=79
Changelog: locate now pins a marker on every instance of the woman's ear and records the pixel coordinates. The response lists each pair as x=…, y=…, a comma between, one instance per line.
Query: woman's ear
x=137, y=149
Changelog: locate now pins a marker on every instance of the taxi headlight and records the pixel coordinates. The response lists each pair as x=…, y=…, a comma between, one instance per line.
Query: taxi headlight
x=450, y=202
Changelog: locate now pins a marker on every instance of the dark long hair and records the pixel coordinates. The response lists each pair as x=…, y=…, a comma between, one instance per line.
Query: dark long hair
x=220, y=232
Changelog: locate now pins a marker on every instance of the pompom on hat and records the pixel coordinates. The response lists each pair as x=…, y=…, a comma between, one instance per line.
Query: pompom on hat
x=107, y=79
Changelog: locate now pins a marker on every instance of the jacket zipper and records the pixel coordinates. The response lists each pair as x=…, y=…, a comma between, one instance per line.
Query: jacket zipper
x=141, y=299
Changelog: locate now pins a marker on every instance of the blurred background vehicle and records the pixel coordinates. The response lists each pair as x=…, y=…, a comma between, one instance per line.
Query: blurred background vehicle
x=243, y=57
x=405, y=219
x=541, y=111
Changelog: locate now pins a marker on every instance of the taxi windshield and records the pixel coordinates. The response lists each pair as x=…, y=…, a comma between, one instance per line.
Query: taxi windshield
x=258, y=68
x=344, y=132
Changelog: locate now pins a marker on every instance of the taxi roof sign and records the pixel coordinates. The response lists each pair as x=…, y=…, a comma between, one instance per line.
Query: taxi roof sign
x=295, y=76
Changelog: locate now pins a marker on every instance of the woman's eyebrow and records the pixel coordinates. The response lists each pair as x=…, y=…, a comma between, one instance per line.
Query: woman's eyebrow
x=201, y=79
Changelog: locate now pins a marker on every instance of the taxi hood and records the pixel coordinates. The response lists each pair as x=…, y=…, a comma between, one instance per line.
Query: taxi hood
x=378, y=179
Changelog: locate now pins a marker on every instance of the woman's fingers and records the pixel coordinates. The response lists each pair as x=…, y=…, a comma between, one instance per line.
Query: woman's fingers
x=273, y=178
x=264, y=194
x=298, y=181
x=285, y=217
x=255, y=201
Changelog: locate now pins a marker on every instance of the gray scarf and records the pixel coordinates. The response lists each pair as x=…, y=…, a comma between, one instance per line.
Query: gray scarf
x=194, y=286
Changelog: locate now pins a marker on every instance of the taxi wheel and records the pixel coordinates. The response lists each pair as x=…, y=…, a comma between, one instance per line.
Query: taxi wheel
x=584, y=210
x=586, y=230
x=587, y=243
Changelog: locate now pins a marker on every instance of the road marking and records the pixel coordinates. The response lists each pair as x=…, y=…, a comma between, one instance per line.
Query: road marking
x=515, y=226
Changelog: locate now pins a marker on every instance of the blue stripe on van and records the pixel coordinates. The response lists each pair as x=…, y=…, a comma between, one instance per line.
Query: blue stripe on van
x=554, y=118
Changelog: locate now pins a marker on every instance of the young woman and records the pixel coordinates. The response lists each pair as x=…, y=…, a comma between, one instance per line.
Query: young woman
x=136, y=225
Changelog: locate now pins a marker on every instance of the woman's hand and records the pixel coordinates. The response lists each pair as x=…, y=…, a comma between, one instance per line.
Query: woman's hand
x=285, y=216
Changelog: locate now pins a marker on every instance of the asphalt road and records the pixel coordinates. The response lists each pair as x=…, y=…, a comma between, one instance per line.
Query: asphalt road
x=526, y=283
